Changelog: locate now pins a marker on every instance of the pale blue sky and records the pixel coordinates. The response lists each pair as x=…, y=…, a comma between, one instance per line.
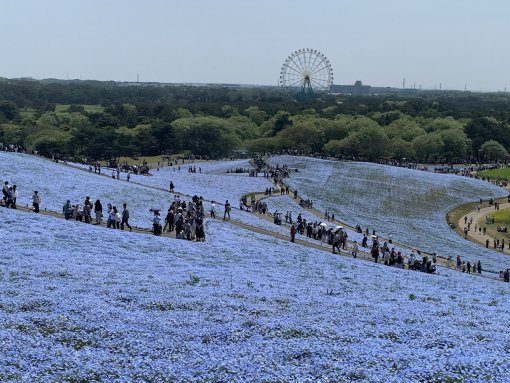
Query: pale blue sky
x=453, y=42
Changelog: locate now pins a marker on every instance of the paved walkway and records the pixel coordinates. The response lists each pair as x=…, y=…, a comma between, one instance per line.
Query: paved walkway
x=477, y=216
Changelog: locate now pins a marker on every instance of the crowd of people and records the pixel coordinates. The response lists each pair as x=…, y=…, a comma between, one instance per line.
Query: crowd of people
x=10, y=197
x=93, y=213
x=186, y=219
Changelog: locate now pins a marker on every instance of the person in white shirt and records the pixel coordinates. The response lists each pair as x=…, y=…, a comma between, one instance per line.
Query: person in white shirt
x=213, y=210
x=36, y=201
x=156, y=222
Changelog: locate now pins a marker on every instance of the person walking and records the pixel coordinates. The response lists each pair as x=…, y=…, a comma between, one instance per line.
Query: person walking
x=98, y=211
x=227, y=210
x=87, y=212
x=355, y=249
x=336, y=242
x=116, y=218
x=292, y=232
x=5, y=191
x=125, y=218
x=156, y=223
x=213, y=210
x=14, y=193
x=67, y=210
x=171, y=187
x=36, y=201
x=110, y=223
x=375, y=252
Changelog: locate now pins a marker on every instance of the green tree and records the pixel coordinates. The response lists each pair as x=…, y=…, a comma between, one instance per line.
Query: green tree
x=47, y=142
x=47, y=121
x=401, y=149
x=404, y=128
x=428, y=147
x=279, y=122
x=369, y=142
x=148, y=144
x=261, y=145
x=302, y=136
x=329, y=111
x=256, y=115
x=432, y=125
x=206, y=136
x=455, y=144
x=11, y=134
x=8, y=111
x=492, y=150
x=361, y=122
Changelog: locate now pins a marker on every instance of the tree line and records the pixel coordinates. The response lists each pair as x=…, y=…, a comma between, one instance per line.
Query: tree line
x=104, y=120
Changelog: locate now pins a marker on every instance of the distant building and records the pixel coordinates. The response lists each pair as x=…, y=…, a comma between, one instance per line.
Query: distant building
x=357, y=89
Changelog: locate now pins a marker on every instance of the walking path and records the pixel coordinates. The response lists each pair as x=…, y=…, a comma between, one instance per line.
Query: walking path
x=478, y=236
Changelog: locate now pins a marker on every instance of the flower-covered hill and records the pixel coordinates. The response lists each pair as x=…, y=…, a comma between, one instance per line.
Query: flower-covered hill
x=57, y=183
x=212, y=182
x=410, y=205
x=80, y=303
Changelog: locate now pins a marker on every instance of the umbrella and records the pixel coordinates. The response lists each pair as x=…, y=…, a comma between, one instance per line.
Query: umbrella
x=338, y=228
x=323, y=224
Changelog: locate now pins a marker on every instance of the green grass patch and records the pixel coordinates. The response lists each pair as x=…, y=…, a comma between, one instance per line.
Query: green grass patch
x=29, y=113
x=495, y=173
x=501, y=217
x=59, y=108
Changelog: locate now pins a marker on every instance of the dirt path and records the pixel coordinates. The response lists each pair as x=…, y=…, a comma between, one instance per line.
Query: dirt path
x=54, y=214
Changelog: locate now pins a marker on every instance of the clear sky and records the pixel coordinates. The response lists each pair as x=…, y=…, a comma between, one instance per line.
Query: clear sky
x=452, y=42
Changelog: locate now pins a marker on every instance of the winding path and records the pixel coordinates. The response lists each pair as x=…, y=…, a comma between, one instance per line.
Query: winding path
x=478, y=236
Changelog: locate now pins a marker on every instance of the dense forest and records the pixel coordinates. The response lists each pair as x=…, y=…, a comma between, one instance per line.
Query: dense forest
x=105, y=120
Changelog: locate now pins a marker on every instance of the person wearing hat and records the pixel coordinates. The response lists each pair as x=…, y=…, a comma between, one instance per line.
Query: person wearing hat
x=36, y=201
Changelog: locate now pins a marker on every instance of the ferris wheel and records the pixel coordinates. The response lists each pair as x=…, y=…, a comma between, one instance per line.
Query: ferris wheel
x=306, y=72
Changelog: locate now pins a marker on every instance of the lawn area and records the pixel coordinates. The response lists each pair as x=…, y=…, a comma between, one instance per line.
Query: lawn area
x=502, y=217
x=59, y=108
x=29, y=113
x=501, y=173
x=153, y=160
